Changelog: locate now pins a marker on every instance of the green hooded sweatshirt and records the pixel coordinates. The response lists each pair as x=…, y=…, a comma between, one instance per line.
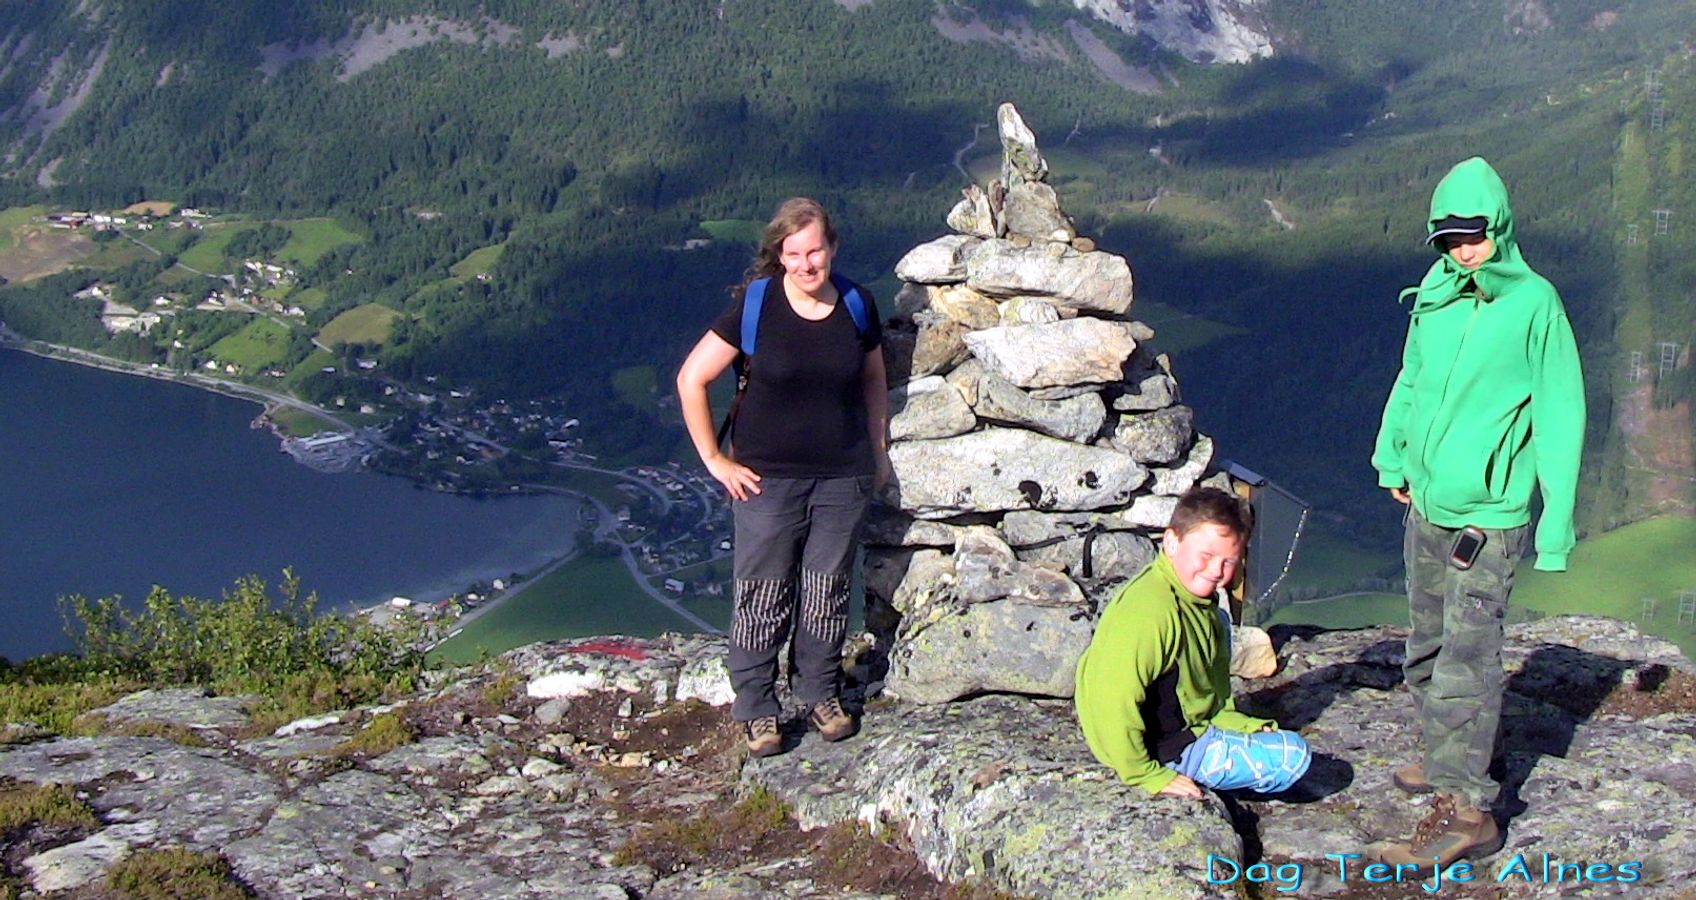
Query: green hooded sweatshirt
x=1489, y=403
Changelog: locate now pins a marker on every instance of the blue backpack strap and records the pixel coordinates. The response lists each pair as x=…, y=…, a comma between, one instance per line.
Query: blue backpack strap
x=753, y=301
x=856, y=301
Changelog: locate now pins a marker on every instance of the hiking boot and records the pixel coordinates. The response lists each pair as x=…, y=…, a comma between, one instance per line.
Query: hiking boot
x=1450, y=831
x=1411, y=778
x=764, y=739
x=832, y=721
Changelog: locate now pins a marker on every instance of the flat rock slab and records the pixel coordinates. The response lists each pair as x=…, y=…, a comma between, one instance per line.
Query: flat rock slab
x=186, y=707
x=1003, y=789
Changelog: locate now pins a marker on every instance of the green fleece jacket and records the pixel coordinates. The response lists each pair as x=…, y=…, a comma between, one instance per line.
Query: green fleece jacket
x=1153, y=626
x=1489, y=403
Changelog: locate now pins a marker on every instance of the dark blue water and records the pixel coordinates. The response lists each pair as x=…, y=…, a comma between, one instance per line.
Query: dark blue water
x=112, y=483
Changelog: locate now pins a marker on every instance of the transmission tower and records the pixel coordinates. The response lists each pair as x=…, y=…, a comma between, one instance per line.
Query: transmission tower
x=1657, y=115
x=1669, y=360
x=1648, y=610
x=1634, y=373
x=1631, y=234
x=1663, y=222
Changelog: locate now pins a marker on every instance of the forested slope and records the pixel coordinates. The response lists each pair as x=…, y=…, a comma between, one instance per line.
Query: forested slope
x=591, y=140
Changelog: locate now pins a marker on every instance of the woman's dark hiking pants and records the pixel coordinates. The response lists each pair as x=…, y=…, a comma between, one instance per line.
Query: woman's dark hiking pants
x=795, y=544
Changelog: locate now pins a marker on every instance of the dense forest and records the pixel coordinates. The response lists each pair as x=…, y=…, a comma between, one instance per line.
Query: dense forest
x=592, y=140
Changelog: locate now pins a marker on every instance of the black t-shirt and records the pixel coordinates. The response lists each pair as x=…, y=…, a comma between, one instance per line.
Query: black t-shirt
x=804, y=415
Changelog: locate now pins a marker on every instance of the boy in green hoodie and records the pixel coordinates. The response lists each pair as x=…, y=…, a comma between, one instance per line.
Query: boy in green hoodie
x=1488, y=407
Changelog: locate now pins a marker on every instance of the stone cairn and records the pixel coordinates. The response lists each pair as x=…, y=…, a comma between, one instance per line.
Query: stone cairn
x=1039, y=446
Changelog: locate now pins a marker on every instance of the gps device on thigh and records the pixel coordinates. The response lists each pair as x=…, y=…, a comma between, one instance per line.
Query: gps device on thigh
x=1468, y=542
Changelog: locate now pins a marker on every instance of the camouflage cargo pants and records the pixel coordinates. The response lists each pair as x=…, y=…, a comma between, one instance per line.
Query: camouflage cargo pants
x=1454, y=651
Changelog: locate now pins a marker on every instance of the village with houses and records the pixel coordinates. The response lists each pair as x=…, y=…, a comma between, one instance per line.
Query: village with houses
x=669, y=523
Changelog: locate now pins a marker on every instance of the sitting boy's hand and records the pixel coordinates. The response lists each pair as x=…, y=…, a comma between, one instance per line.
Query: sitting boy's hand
x=1183, y=787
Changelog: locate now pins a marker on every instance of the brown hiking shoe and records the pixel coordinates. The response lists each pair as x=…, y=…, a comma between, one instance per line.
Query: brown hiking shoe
x=764, y=739
x=1411, y=778
x=832, y=721
x=1450, y=831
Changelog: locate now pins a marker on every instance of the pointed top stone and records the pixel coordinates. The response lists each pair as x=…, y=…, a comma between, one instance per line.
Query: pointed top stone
x=1021, y=161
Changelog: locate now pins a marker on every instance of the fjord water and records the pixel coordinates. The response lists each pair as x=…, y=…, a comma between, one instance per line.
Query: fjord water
x=111, y=483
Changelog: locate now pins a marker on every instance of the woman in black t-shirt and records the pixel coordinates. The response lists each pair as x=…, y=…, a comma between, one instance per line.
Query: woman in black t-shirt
x=809, y=448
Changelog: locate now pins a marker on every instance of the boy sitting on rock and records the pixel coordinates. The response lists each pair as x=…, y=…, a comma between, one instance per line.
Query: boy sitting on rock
x=1154, y=687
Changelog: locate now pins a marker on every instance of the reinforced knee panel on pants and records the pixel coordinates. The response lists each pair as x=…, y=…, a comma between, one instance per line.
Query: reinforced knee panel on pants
x=824, y=606
x=760, y=619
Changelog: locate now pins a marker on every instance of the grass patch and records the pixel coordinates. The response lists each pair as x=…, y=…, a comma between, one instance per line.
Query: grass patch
x=314, y=362
x=1610, y=574
x=116, y=255
x=478, y=262
x=585, y=597
x=261, y=344
x=309, y=299
x=368, y=324
x=744, y=231
x=174, y=872
x=310, y=239
x=54, y=706
x=178, y=278
x=382, y=734
x=13, y=218
x=174, y=732
x=300, y=423
x=636, y=385
x=53, y=805
x=207, y=254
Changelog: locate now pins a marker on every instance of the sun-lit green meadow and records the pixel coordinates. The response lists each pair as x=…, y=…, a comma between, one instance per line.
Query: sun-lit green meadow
x=587, y=596
x=368, y=324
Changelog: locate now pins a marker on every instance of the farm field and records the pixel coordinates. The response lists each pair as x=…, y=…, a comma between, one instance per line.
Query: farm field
x=368, y=324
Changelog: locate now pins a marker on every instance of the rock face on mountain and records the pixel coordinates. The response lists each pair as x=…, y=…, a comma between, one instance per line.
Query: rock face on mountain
x=524, y=782
x=1038, y=444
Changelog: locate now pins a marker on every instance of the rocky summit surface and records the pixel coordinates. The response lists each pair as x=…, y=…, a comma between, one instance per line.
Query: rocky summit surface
x=575, y=769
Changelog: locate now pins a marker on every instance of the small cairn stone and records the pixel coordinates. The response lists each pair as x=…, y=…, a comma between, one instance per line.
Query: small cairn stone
x=1039, y=444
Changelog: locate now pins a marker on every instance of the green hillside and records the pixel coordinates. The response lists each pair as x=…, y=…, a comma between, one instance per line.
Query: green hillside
x=592, y=141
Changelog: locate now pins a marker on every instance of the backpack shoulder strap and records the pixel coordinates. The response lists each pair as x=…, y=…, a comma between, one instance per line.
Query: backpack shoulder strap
x=753, y=301
x=856, y=300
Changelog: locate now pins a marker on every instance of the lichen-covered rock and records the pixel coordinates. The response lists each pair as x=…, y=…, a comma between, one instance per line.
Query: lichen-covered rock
x=941, y=261
x=1003, y=790
x=1173, y=481
x=1021, y=160
x=964, y=305
x=928, y=407
x=1023, y=528
x=1074, y=352
x=886, y=527
x=1014, y=645
x=1096, y=283
x=1028, y=311
x=1033, y=210
x=999, y=469
x=1076, y=419
x=972, y=215
x=1111, y=556
x=184, y=707
x=1147, y=385
x=986, y=569
x=1158, y=437
x=909, y=579
x=936, y=345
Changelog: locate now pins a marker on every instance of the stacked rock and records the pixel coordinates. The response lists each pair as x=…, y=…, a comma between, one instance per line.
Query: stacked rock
x=1038, y=445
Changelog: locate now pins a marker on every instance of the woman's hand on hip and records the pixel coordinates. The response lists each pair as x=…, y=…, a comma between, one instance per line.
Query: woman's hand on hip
x=739, y=481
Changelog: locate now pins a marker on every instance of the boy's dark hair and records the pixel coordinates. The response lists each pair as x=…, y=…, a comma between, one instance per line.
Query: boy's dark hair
x=1209, y=506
